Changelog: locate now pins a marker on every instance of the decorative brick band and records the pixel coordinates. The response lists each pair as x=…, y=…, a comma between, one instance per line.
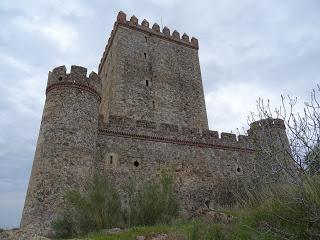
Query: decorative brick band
x=174, y=141
x=74, y=85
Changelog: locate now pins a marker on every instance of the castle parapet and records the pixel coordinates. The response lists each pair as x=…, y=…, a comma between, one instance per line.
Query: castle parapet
x=229, y=137
x=264, y=124
x=77, y=77
x=144, y=27
x=146, y=128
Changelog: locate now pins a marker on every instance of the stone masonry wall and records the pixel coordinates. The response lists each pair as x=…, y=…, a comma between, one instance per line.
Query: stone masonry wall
x=66, y=146
x=200, y=160
x=149, y=75
x=147, y=113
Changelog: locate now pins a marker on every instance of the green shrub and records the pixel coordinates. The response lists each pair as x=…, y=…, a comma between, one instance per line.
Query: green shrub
x=202, y=231
x=155, y=203
x=282, y=212
x=97, y=208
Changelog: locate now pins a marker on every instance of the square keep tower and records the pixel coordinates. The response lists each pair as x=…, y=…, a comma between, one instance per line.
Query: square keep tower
x=152, y=75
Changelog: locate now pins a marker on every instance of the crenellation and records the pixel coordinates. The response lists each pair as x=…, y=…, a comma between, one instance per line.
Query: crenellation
x=230, y=137
x=60, y=71
x=122, y=17
x=211, y=134
x=176, y=35
x=145, y=108
x=145, y=128
x=266, y=124
x=194, y=42
x=185, y=37
x=156, y=27
x=243, y=138
x=77, y=78
x=166, y=31
x=145, y=23
x=279, y=123
x=78, y=72
x=133, y=21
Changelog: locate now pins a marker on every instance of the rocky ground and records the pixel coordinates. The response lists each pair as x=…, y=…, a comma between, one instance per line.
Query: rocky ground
x=18, y=234
x=162, y=236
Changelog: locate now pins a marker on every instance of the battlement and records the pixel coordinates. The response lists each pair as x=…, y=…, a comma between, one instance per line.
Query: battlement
x=133, y=23
x=77, y=77
x=165, y=131
x=267, y=124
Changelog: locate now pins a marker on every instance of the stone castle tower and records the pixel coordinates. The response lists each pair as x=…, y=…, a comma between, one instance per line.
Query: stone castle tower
x=144, y=111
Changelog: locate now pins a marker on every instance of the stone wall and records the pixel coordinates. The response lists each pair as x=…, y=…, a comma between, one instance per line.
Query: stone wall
x=152, y=75
x=66, y=146
x=147, y=113
x=199, y=159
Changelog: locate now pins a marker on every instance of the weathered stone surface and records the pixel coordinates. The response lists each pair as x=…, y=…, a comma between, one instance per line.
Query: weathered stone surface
x=66, y=146
x=20, y=235
x=140, y=237
x=145, y=115
x=113, y=230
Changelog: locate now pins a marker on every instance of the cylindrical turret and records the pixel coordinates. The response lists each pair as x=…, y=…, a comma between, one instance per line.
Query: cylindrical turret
x=65, y=151
x=273, y=154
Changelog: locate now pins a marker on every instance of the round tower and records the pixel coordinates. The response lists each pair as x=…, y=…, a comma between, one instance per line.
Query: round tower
x=273, y=154
x=65, y=151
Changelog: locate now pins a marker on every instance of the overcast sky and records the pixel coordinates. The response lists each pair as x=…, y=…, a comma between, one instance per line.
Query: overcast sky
x=248, y=49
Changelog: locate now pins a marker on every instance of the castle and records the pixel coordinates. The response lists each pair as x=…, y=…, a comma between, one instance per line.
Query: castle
x=143, y=111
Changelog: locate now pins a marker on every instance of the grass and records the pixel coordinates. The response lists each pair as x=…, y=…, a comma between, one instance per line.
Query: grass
x=278, y=212
x=132, y=233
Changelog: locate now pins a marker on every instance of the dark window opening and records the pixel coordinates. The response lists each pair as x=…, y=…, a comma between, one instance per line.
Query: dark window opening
x=238, y=169
x=145, y=55
x=111, y=158
x=153, y=105
x=146, y=39
x=147, y=83
x=207, y=203
x=136, y=163
x=60, y=78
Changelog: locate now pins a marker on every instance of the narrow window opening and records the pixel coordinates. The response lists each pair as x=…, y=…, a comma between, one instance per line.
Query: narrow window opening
x=145, y=55
x=238, y=169
x=147, y=83
x=207, y=203
x=153, y=105
x=146, y=39
x=111, y=159
x=136, y=163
